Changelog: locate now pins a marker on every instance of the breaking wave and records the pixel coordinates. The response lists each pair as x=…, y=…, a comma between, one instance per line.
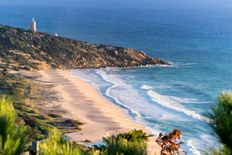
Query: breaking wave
x=171, y=103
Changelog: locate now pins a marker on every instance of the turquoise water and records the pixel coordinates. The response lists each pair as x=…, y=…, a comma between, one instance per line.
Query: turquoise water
x=197, y=41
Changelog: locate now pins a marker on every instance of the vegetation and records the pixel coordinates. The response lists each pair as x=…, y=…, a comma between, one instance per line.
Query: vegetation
x=13, y=140
x=12, y=137
x=19, y=89
x=133, y=142
x=18, y=117
x=24, y=50
x=222, y=118
x=55, y=144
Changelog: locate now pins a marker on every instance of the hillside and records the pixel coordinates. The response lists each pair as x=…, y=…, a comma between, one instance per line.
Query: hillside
x=24, y=49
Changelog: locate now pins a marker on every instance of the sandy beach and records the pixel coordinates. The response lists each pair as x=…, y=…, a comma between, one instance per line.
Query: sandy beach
x=82, y=102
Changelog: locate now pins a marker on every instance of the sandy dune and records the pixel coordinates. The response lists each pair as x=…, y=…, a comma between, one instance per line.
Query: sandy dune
x=82, y=102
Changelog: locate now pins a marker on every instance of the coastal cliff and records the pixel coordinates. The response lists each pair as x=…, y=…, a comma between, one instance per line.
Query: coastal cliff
x=23, y=49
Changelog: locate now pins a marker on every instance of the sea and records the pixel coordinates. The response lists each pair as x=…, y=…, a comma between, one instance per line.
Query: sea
x=197, y=42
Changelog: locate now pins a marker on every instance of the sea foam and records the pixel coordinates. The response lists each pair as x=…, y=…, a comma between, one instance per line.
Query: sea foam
x=168, y=102
x=146, y=87
x=128, y=97
x=116, y=82
x=172, y=102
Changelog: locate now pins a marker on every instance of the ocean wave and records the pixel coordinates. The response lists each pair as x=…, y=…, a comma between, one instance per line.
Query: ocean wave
x=160, y=65
x=187, y=64
x=116, y=82
x=175, y=98
x=146, y=87
x=189, y=100
x=126, y=96
x=168, y=102
x=141, y=108
x=185, y=100
x=190, y=63
x=121, y=103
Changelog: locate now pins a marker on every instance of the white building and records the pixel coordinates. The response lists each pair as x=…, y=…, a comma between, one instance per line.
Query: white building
x=33, y=25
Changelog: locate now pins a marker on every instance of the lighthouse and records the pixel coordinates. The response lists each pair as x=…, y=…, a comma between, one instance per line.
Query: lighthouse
x=33, y=25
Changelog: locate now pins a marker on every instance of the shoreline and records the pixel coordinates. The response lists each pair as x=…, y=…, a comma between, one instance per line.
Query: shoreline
x=84, y=103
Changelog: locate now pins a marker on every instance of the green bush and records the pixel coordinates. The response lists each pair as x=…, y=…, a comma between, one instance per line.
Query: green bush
x=55, y=144
x=12, y=137
x=134, y=142
x=222, y=118
x=222, y=123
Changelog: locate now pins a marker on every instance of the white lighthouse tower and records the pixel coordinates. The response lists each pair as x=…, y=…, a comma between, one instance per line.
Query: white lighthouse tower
x=33, y=25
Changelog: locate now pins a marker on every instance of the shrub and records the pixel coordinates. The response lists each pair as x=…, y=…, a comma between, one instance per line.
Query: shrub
x=55, y=144
x=12, y=137
x=134, y=142
x=222, y=118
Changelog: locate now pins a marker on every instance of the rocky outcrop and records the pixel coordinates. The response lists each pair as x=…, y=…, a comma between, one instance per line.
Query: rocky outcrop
x=25, y=49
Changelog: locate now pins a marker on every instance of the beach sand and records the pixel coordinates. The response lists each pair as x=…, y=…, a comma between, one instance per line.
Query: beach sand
x=82, y=102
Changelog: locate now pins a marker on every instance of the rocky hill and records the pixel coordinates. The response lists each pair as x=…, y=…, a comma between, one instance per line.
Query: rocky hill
x=24, y=49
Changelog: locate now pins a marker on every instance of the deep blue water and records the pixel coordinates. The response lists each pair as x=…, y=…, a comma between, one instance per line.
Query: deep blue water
x=198, y=42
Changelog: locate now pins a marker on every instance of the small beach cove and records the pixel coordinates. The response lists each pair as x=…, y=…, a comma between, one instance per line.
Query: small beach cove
x=82, y=102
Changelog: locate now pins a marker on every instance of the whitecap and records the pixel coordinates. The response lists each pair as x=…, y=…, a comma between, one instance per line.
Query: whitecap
x=168, y=102
x=146, y=87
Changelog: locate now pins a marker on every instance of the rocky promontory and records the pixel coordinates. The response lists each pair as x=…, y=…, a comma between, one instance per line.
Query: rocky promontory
x=24, y=49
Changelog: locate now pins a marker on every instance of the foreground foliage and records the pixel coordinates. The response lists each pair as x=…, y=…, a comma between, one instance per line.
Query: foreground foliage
x=222, y=118
x=22, y=112
x=12, y=137
x=55, y=144
x=133, y=142
x=19, y=89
